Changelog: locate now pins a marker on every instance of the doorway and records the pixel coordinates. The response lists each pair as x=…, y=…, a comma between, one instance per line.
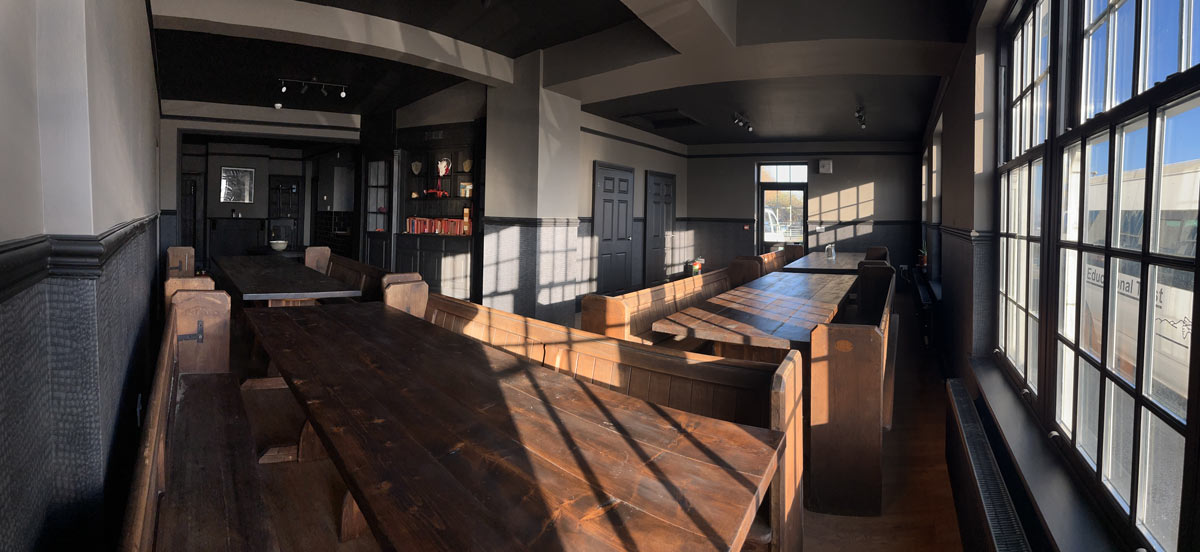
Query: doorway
x=612, y=216
x=782, y=205
x=660, y=224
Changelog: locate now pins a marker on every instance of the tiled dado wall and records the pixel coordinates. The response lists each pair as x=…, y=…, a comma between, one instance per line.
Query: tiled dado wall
x=542, y=267
x=77, y=347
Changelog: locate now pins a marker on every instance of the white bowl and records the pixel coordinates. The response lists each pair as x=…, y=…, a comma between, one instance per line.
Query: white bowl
x=278, y=245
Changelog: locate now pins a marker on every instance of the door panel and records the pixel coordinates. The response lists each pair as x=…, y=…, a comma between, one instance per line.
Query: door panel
x=612, y=213
x=660, y=220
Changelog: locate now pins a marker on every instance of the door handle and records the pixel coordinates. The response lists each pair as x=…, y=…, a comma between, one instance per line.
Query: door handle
x=630, y=238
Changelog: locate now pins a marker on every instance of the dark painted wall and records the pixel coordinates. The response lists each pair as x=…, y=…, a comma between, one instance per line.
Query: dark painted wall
x=74, y=359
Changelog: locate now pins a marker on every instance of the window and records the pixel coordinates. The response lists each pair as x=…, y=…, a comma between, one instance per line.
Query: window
x=1097, y=227
x=1020, y=262
x=1030, y=81
x=782, y=196
x=1125, y=406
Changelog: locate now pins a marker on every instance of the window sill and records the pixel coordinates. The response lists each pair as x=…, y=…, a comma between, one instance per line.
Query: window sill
x=1068, y=517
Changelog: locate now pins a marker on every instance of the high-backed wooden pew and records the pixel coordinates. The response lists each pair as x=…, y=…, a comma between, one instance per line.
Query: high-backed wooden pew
x=746, y=392
x=629, y=317
x=851, y=385
x=196, y=484
x=749, y=267
x=181, y=262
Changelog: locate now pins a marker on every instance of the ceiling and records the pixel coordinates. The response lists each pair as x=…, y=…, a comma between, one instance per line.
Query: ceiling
x=225, y=69
x=803, y=108
x=766, y=21
x=509, y=27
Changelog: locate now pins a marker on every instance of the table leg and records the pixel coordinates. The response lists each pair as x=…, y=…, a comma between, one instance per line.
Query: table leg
x=353, y=523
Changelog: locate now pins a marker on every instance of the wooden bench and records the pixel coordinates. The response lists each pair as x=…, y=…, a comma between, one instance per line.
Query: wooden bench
x=630, y=316
x=196, y=484
x=752, y=393
x=363, y=276
x=878, y=253
x=851, y=386
x=181, y=262
x=750, y=267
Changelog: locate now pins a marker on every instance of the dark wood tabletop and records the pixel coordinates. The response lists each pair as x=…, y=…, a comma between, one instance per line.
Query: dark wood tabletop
x=817, y=262
x=449, y=444
x=777, y=311
x=267, y=277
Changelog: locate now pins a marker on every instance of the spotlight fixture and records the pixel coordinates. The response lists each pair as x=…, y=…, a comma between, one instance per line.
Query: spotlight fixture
x=278, y=105
x=742, y=122
x=343, y=90
x=860, y=115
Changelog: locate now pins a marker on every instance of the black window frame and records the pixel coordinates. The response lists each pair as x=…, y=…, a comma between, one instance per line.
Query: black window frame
x=1067, y=127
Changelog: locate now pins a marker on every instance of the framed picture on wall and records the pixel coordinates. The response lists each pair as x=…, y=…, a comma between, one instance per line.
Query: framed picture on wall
x=237, y=185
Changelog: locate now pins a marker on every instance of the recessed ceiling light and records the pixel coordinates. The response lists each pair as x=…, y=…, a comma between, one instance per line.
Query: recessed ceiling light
x=343, y=94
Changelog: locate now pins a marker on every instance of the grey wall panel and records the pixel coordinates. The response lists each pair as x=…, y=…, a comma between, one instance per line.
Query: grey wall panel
x=78, y=471
x=967, y=310
x=123, y=306
x=717, y=241
x=509, y=269
x=25, y=449
x=168, y=232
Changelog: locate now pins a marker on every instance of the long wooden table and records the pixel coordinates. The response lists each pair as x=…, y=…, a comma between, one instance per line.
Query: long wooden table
x=277, y=278
x=446, y=443
x=776, y=311
x=817, y=263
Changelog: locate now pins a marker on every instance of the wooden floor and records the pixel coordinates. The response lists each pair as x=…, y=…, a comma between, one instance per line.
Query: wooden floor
x=918, y=508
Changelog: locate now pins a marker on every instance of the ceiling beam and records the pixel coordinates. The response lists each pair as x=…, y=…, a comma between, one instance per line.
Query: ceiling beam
x=690, y=26
x=335, y=29
x=768, y=61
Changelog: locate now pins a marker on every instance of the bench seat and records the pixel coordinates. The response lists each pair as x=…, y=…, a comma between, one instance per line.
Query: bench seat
x=213, y=498
x=631, y=316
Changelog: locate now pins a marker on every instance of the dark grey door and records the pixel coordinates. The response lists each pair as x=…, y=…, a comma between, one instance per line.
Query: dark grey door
x=612, y=215
x=660, y=221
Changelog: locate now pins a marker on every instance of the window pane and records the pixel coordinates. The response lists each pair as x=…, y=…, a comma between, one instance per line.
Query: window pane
x=1035, y=199
x=1129, y=187
x=1016, y=338
x=1163, y=34
x=1160, y=481
x=1064, y=414
x=1001, y=340
x=1020, y=269
x=1004, y=203
x=1096, y=47
x=1169, y=350
x=1035, y=276
x=1020, y=195
x=800, y=173
x=1070, y=199
x=1088, y=397
x=1195, y=34
x=1118, y=442
x=1039, y=129
x=766, y=173
x=1124, y=305
x=1178, y=183
x=1091, y=305
x=1043, y=34
x=1095, y=9
x=1067, y=293
x=1031, y=352
x=1003, y=265
x=1095, y=193
x=1030, y=41
x=1124, y=31
x=1018, y=64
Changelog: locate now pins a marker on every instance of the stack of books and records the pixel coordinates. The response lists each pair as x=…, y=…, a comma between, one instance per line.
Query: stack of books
x=444, y=226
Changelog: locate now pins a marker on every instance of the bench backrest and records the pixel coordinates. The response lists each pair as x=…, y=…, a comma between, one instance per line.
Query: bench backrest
x=317, y=258
x=181, y=352
x=181, y=262
x=503, y=330
x=173, y=285
x=365, y=277
x=878, y=253
x=632, y=314
x=850, y=367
